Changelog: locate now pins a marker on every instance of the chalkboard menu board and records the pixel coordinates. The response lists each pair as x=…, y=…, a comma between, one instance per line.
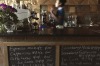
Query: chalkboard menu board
x=80, y=56
x=31, y=55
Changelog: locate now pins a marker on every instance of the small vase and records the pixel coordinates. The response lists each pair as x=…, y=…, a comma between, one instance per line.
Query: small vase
x=9, y=28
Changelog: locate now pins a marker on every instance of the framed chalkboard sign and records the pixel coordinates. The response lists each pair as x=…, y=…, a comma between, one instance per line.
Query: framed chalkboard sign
x=80, y=55
x=31, y=55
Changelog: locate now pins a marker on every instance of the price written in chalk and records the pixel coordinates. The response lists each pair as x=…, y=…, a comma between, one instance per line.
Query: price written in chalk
x=80, y=56
x=31, y=55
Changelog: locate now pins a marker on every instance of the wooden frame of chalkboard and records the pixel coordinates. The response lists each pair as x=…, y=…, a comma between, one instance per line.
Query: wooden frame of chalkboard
x=56, y=44
x=33, y=44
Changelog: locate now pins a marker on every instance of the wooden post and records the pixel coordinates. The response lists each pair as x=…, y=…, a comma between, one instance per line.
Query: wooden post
x=5, y=52
x=57, y=55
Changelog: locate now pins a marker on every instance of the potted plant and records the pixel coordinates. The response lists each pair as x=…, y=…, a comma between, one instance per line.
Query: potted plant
x=8, y=18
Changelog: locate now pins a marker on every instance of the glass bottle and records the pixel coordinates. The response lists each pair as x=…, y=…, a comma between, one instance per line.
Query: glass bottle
x=44, y=17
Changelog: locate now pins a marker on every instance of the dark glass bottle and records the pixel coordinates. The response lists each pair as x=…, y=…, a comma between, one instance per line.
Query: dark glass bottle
x=35, y=26
x=44, y=17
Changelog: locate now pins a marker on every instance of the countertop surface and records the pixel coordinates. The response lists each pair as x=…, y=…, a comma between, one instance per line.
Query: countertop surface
x=68, y=31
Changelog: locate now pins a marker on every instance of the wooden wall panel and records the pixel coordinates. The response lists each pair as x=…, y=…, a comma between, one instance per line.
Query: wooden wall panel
x=98, y=1
x=72, y=2
x=78, y=2
x=93, y=2
x=84, y=2
x=46, y=2
x=93, y=8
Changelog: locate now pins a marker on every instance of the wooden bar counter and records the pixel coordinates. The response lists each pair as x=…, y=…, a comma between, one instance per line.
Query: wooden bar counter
x=57, y=39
